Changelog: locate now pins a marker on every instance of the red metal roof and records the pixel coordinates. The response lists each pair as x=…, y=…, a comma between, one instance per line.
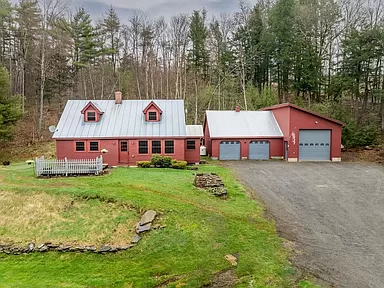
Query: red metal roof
x=304, y=110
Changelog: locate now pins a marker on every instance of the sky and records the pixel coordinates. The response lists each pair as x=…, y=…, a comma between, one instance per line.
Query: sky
x=157, y=8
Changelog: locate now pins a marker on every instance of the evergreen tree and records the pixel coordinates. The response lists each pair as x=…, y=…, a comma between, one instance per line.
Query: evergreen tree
x=283, y=27
x=111, y=28
x=84, y=37
x=198, y=33
x=9, y=110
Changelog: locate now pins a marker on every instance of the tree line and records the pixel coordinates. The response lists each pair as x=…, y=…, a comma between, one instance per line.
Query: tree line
x=325, y=55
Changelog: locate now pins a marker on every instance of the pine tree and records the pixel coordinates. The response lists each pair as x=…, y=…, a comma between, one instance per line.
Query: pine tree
x=9, y=110
x=111, y=28
x=198, y=33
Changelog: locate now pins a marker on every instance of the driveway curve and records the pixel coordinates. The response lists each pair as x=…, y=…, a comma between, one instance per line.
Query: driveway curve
x=334, y=213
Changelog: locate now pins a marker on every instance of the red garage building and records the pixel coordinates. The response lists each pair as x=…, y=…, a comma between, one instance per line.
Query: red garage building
x=127, y=130
x=284, y=131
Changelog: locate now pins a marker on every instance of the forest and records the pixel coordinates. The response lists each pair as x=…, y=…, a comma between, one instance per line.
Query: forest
x=324, y=55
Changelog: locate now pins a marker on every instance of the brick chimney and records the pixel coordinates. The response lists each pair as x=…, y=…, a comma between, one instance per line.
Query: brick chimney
x=118, y=97
x=237, y=109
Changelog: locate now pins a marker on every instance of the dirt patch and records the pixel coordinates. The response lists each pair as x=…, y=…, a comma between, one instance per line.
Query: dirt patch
x=224, y=279
x=39, y=218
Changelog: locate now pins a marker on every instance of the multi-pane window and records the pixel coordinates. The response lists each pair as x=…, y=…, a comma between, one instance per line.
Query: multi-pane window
x=80, y=146
x=93, y=146
x=143, y=147
x=191, y=145
x=124, y=146
x=169, y=147
x=152, y=116
x=91, y=116
x=156, y=147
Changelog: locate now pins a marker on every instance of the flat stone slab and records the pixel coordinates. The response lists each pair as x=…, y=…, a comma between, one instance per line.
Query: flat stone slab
x=148, y=217
x=144, y=228
x=104, y=249
x=135, y=239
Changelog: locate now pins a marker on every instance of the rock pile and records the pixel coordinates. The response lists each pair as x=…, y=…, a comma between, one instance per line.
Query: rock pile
x=212, y=183
x=32, y=247
x=144, y=225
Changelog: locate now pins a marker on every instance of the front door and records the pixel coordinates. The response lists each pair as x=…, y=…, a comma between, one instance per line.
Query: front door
x=123, y=152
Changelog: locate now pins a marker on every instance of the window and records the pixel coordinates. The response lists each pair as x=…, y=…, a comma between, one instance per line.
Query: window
x=143, y=147
x=80, y=146
x=152, y=116
x=191, y=145
x=124, y=146
x=169, y=147
x=93, y=146
x=156, y=147
x=91, y=116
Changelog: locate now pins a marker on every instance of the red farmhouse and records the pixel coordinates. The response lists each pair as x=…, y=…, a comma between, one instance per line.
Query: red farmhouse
x=284, y=131
x=129, y=130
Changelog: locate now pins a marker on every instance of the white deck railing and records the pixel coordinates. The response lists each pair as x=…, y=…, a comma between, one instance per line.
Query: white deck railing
x=67, y=167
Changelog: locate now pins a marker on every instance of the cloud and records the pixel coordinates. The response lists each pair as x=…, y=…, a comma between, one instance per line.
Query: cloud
x=157, y=8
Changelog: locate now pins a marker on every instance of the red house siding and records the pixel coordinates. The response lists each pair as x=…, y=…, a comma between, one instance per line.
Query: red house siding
x=283, y=118
x=193, y=156
x=66, y=148
x=276, y=146
x=158, y=115
x=207, y=139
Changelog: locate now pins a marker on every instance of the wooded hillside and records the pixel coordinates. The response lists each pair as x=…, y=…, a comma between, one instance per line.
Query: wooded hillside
x=324, y=55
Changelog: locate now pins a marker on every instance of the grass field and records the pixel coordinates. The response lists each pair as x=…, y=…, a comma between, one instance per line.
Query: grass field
x=189, y=252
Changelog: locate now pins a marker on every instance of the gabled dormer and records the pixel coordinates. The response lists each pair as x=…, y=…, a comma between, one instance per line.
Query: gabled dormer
x=92, y=112
x=152, y=112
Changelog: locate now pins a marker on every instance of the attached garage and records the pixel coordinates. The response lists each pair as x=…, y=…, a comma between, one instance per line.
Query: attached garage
x=314, y=145
x=258, y=150
x=229, y=150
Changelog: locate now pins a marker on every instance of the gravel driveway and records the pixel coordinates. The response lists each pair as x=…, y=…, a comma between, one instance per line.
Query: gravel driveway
x=334, y=213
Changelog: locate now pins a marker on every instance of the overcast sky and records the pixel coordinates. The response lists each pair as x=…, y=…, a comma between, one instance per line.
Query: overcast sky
x=157, y=8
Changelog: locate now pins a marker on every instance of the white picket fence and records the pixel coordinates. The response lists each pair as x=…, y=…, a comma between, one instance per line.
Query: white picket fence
x=67, y=167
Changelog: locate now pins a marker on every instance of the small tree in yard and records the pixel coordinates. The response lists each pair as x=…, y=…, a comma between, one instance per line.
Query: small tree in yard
x=9, y=110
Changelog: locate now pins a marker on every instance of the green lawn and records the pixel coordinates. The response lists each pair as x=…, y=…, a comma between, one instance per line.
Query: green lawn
x=200, y=231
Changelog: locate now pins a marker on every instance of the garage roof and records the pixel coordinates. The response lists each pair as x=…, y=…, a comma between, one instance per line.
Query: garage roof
x=304, y=110
x=232, y=124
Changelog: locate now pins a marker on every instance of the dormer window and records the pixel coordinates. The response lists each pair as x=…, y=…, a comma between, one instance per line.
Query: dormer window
x=92, y=112
x=91, y=116
x=152, y=112
x=152, y=116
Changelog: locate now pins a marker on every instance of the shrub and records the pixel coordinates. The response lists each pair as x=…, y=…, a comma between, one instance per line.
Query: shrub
x=143, y=164
x=162, y=161
x=178, y=164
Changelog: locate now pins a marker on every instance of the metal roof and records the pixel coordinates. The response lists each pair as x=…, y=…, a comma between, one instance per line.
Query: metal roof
x=195, y=131
x=232, y=124
x=122, y=120
x=304, y=110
